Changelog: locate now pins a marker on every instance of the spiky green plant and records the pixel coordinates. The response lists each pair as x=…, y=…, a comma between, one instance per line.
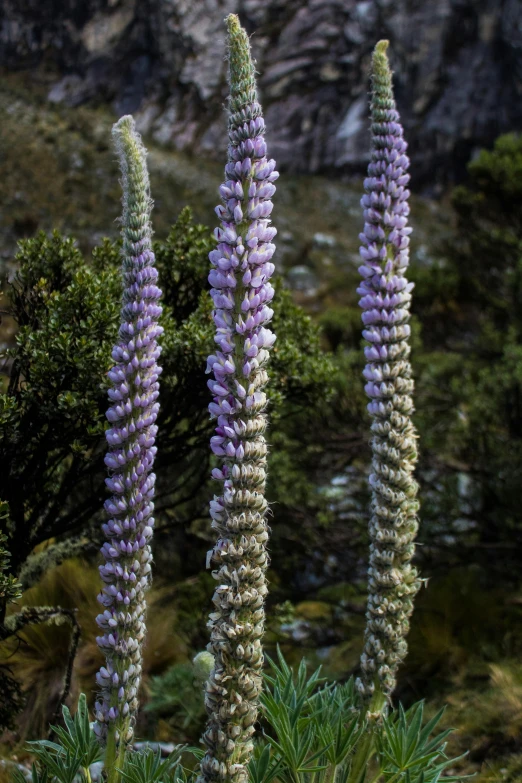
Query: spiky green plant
x=314, y=731
x=76, y=748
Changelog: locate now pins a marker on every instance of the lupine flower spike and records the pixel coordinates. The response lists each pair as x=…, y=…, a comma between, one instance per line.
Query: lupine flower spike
x=386, y=295
x=241, y=291
x=132, y=416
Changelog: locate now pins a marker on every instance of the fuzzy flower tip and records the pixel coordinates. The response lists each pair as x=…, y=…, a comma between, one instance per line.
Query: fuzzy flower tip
x=385, y=301
x=132, y=415
x=241, y=292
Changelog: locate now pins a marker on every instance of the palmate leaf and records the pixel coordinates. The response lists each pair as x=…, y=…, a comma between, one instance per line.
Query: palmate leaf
x=315, y=730
x=64, y=766
x=407, y=752
x=264, y=764
x=296, y=744
x=288, y=685
x=312, y=730
x=77, y=747
x=288, y=694
x=339, y=738
x=296, y=759
x=337, y=720
x=77, y=736
x=148, y=767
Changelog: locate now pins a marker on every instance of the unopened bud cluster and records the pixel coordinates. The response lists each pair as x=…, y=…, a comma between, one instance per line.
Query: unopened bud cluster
x=241, y=292
x=132, y=416
x=386, y=295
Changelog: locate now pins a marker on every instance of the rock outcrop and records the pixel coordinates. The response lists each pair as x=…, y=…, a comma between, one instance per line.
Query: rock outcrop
x=458, y=71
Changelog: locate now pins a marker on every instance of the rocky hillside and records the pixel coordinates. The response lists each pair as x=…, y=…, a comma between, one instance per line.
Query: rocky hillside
x=458, y=67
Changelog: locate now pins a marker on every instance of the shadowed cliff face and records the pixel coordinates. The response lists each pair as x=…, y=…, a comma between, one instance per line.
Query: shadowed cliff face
x=458, y=70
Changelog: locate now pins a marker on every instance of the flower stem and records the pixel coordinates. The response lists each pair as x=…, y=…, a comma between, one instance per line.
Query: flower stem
x=110, y=756
x=366, y=747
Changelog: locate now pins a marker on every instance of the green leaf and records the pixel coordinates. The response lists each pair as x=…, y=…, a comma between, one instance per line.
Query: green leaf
x=77, y=746
x=147, y=766
x=408, y=752
x=264, y=764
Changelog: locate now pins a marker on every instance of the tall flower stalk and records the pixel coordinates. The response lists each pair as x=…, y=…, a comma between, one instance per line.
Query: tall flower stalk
x=385, y=300
x=130, y=456
x=241, y=292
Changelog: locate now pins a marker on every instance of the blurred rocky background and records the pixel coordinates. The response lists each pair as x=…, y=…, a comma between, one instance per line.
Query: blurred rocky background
x=458, y=71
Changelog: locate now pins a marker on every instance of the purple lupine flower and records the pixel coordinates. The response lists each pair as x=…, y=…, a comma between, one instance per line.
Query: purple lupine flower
x=132, y=415
x=241, y=292
x=385, y=300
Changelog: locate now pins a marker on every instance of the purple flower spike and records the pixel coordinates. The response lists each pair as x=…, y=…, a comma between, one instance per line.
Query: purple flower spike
x=132, y=416
x=241, y=292
x=385, y=300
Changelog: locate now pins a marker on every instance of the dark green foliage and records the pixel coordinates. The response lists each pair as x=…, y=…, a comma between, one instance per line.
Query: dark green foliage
x=75, y=750
x=316, y=732
x=52, y=415
x=286, y=707
x=312, y=732
x=490, y=234
x=342, y=325
x=469, y=368
x=76, y=736
x=407, y=751
x=51, y=420
x=37, y=776
x=147, y=767
x=178, y=698
x=12, y=698
x=264, y=765
x=182, y=261
x=10, y=588
x=467, y=362
x=339, y=726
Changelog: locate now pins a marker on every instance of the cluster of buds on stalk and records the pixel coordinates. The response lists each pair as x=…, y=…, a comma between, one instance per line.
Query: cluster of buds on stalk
x=386, y=296
x=241, y=292
x=132, y=415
